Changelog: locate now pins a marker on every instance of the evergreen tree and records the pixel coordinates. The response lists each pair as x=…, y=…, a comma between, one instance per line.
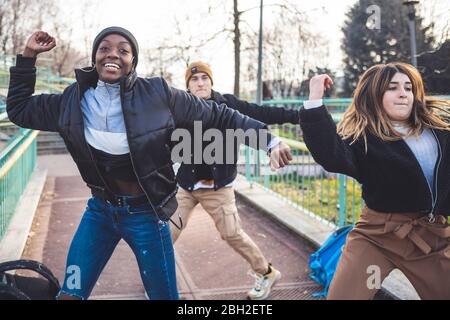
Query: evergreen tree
x=435, y=69
x=370, y=38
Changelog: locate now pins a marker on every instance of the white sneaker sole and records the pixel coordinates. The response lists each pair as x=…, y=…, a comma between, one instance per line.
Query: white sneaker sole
x=264, y=297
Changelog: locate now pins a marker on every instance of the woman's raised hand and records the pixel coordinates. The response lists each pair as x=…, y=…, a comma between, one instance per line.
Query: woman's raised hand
x=317, y=86
x=39, y=42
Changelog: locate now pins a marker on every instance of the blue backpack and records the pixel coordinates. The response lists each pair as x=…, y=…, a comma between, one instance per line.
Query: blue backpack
x=324, y=261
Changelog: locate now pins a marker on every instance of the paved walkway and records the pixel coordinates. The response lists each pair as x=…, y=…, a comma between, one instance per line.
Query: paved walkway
x=206, y=267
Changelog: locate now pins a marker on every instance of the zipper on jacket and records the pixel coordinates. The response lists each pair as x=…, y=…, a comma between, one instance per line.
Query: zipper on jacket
x=131, y=155
x=87, y=145
x=431, y=216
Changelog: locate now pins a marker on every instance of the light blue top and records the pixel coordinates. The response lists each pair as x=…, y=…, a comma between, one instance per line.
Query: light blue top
x=104, y=126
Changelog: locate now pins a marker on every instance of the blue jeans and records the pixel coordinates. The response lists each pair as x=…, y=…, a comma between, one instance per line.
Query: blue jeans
x=101, y=228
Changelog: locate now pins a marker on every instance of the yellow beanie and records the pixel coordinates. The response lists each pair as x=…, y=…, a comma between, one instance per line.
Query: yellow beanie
x=196, y=67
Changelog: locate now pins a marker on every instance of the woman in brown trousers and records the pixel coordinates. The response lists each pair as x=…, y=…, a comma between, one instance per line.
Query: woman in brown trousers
x=396, y=142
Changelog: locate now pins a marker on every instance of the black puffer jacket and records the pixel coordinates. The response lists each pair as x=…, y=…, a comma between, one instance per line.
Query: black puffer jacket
x=224, y=174
x=152, y=110
x=391, y=177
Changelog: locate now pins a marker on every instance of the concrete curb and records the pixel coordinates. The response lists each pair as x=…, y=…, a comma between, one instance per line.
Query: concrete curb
x=310, y=228
x=15, y=238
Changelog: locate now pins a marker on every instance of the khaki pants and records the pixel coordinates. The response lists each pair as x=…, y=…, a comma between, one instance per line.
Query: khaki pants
x=380, y=243
x=221, y=206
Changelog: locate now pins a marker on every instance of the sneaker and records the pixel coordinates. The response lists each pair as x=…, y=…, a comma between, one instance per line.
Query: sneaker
x=263, y=283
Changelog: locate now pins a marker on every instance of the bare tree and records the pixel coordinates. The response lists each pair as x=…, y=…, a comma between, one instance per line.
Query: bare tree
x=4, y=34
x=184, y=43
x=291, y=49
x=159, y=61
x=237, y=47
x=89, y=23
x=18, y=18
x=6, y=25
x=435, y=14
x=17, y=33
x=64, y=57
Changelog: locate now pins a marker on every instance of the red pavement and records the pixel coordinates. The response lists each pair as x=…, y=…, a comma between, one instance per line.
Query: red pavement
x=206, y=267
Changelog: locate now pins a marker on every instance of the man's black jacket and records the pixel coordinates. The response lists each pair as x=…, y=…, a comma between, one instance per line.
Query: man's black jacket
x=224, y=174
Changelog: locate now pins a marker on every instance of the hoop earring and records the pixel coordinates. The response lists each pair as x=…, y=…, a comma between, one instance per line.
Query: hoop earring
x=89, y=69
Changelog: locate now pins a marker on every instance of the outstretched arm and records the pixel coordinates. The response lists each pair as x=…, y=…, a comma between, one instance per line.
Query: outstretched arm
x=266, y=114
x=320, y=134
x=40, y=112
x=187, y=108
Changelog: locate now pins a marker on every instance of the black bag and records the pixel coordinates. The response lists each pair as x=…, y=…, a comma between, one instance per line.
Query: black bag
x=16, y=287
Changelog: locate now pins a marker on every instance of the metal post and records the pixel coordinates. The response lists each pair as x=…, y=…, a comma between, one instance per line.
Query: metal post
x=342, y=201
x=259, y=79
x=248, y=173
x=260, y=49
x=412, y=29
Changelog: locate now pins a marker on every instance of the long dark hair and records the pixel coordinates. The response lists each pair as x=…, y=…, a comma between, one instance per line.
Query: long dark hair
x=366, y=112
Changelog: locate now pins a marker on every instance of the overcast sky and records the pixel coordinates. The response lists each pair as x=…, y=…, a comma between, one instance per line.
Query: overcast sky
x=152, y=20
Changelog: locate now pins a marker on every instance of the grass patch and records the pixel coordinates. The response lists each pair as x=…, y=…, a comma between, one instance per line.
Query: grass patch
x=322, y=195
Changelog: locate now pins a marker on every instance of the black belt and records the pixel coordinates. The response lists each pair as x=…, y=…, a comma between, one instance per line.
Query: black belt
x=120, y=201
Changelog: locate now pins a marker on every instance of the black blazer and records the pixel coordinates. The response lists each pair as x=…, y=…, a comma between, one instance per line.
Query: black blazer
x=224, y=174
x=391, y=177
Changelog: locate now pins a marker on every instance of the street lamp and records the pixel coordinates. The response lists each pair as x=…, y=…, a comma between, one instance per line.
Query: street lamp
x=259, y=92
x=260, y=55
x=412, y=28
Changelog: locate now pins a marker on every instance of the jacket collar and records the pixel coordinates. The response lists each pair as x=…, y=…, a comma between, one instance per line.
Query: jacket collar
x=443, y=137
x=88, y=77
x=217, y=97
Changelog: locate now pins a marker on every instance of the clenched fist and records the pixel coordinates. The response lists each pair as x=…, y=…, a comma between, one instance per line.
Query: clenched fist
x=280, y=156
x=317, y=86
x=39, y=42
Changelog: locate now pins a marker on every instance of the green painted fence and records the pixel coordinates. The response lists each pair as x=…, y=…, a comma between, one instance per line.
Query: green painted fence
x=17, y=163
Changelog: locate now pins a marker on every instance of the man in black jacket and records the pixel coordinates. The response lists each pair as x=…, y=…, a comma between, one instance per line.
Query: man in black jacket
x=211, y=185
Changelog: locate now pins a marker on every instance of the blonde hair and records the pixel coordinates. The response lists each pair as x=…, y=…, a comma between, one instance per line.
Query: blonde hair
x=366, y=112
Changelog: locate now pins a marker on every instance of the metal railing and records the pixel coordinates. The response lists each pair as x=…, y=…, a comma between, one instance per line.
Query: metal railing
x=18, y=147
x=3, y=114
x=332, y=198
x=17, y=163
x=46, y=81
